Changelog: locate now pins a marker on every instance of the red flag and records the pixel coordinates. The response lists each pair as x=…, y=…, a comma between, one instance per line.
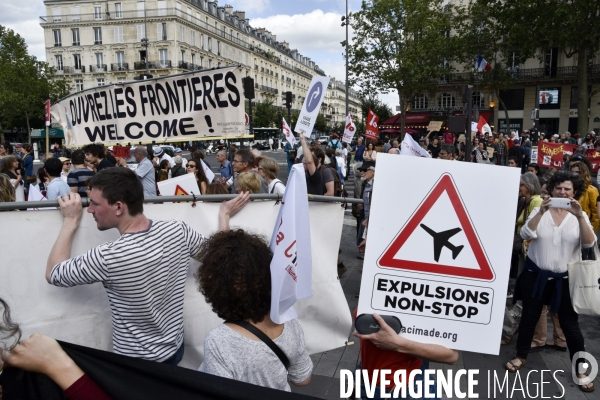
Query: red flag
x=483, y=127
x=47, y=112
x=372, y=128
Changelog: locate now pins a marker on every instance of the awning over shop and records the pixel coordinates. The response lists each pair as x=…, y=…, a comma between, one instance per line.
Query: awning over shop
x=54, y=133
x=411, y=119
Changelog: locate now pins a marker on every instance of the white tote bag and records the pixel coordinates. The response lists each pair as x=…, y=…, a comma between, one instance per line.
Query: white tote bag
x=584, y=285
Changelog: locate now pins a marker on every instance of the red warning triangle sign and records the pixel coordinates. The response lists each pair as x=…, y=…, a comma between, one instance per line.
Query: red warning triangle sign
x=484, y=270
x=180, y=192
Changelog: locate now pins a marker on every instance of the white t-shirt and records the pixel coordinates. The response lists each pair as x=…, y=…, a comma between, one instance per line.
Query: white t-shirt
x=276, y=187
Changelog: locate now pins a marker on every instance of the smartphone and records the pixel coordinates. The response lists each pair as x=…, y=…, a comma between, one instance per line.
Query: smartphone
x=366, y=323
x=560, y=202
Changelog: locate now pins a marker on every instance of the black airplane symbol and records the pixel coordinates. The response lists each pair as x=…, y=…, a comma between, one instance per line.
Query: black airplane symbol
x=440, y=240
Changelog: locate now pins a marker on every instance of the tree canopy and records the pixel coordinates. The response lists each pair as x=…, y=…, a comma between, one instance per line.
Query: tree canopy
x=403, y=45
x=25, y=83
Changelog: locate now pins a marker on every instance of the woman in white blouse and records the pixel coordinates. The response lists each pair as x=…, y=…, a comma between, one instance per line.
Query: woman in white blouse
x=556, y=236
x=269, y=170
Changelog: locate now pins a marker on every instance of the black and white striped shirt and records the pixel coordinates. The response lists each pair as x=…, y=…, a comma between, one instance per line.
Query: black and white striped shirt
x=144, y=274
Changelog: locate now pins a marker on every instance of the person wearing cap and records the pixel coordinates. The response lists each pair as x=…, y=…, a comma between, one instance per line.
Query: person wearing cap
x=177, y=170
x=179, y=152
x=66, y=166
x=335, y=143
x=160, y=154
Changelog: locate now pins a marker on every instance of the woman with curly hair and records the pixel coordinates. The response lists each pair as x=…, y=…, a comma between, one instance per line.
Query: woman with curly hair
x=235, y=278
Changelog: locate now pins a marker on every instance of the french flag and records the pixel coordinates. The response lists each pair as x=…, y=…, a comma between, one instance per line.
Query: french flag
x=483, y=65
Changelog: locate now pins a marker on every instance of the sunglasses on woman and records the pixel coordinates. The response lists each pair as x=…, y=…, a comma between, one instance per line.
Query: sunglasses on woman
x=191, y=166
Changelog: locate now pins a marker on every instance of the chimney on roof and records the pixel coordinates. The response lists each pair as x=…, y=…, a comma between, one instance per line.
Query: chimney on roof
x=285, y=45
x=228, y=9
x=240, y=14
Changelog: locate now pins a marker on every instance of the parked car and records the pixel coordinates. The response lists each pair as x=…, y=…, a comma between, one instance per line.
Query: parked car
x=323, y=139
x=170, y=150
x=261, y=145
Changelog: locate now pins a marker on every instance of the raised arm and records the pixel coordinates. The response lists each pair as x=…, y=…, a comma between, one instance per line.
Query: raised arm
x=309, y=162
x=71, y=209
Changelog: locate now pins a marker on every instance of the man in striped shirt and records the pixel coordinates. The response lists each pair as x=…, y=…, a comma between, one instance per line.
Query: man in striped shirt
x=144, y=271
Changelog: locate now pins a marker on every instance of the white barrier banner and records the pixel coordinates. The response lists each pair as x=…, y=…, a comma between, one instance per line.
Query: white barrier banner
x=81, y=314
x=198, y=104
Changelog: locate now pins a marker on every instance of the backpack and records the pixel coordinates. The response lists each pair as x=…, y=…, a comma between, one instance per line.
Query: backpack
x=337, y=183
x=335, y=145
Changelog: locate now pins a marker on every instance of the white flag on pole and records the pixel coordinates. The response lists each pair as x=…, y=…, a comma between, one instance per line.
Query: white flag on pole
x=412, y=148
x=208, y=172
x=291, y=267
x=35, y=195
x=350, y=129
x=288, y=132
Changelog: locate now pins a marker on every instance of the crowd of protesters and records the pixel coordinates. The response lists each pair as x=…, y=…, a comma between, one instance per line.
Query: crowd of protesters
x=538, y=275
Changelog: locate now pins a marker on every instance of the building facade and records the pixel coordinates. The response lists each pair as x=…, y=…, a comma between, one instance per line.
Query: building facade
x=96, y=43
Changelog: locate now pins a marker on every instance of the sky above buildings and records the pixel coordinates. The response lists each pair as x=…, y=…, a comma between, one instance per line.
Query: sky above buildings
x=311, y=26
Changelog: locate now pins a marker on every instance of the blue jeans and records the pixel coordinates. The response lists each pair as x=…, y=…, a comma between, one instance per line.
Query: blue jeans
x=418, y=382
x=175, y=358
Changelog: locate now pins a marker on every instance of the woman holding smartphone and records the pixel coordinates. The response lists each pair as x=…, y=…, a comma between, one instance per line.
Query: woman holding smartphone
x=556, y=235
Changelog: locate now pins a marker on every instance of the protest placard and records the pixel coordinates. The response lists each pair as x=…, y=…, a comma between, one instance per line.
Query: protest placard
x=312, y=105
x=192, y=105
x=435, y=126
x=439, y=263
x=184, y=185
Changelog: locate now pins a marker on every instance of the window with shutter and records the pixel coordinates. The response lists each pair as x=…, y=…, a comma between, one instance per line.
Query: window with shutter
x=56, y=14
x=118, y=34
x=141, y=32
x=75, y=14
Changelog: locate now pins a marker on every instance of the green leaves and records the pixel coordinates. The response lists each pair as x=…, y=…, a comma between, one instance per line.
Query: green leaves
x=25, y=83
x=401, y=45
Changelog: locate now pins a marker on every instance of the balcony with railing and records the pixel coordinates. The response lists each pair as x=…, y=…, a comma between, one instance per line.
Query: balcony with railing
x=119, y=67
x=98, y=68
x=70, y=70
x=268, y=89
x=523, y=74
x=152, y=64
x=139, y=14
x=303, y=73
x=189, y=66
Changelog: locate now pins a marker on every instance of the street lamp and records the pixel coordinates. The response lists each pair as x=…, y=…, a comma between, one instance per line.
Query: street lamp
x=346, y=22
